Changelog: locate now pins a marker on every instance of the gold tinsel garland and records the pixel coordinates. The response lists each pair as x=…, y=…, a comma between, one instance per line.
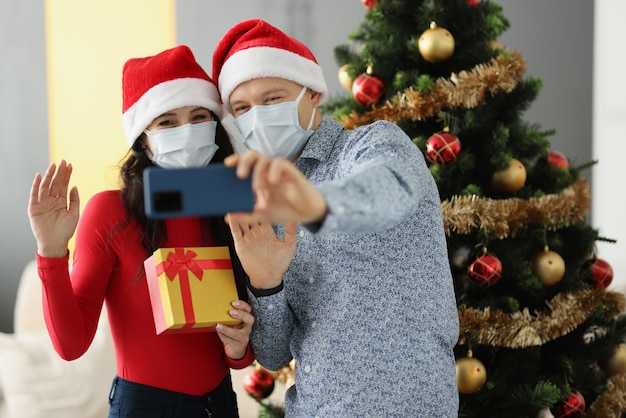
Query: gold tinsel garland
x=466, y=88
x=507, y=217
x=523, y=329
x=612, y=403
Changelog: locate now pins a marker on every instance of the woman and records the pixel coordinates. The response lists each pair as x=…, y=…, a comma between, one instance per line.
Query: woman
x=170, y=116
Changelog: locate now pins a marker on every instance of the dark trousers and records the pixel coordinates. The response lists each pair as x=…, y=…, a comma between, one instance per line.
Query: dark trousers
x=134, y=400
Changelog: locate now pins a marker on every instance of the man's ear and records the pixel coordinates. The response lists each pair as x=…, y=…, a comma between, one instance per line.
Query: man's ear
x=316, y=98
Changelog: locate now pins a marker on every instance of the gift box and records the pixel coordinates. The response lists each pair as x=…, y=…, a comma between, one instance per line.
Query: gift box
x=191, y=288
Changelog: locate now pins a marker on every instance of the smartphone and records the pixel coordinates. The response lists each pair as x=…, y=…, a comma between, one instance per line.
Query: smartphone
x=204, y=191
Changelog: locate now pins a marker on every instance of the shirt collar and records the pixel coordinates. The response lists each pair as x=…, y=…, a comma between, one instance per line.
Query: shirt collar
x=320, y=144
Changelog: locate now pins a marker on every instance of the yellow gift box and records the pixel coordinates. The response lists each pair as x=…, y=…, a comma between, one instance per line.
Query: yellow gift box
x=191, y=288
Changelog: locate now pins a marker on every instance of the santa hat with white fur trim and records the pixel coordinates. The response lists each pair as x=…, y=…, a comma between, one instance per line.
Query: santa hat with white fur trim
x=157, y=84
x=255, y=49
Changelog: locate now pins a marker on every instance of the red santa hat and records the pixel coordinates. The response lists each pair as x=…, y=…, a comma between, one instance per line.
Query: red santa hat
x=255, y=49
x=157, y=84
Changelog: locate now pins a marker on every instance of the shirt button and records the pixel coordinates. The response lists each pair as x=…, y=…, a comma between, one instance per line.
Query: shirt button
x=341, y=210
x=301, y=233
x=313, y=324
x=333, y=224
x=307, y=369
x=270, y=307
x=311, y=280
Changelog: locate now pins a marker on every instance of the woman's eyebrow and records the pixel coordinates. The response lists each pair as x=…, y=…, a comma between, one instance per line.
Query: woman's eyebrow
x=166, y=114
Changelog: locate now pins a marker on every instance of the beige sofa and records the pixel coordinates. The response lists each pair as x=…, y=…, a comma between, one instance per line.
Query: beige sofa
x=34, y=381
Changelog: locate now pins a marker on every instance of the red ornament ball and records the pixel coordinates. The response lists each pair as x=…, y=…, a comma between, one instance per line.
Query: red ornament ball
x=486, y=270
x=556, y=159
x=443, y=148
x=473, y=3
x=369, y=3
x=571, y=407
x=258, y=383
x=368, y=89
x=601, y=273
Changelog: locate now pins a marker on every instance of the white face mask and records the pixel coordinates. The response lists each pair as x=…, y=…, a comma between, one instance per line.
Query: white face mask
x=188, y=145
x=274, y=130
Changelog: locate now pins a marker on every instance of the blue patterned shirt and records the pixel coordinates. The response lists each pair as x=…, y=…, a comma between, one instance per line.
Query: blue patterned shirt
x=367, y=308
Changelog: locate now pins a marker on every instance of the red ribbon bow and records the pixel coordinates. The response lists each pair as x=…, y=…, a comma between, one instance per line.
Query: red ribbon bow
x=179, y=260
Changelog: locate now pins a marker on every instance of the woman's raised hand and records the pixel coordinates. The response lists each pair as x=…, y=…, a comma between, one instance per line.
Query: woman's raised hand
x=53, y=218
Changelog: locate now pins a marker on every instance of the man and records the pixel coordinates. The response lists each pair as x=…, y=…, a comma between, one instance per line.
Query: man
x=366, y=307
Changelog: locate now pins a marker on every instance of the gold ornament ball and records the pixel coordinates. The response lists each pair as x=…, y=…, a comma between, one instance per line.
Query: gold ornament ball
x=436, y=44
x=548, y=266
x=471, y=375
x=616, y=364
x=344, y=78
x=511, y=178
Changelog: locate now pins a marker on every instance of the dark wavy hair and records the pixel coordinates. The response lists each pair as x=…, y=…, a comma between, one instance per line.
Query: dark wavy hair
x=131, y=179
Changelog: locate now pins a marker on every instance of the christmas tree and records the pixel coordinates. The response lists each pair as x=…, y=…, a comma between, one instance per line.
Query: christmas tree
x=541, y=335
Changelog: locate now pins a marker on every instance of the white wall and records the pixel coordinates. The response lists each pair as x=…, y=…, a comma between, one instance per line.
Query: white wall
x=609, y=131
x=23, y=138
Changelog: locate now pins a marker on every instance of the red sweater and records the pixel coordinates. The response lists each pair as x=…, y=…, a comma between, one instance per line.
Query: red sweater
x=109, y=268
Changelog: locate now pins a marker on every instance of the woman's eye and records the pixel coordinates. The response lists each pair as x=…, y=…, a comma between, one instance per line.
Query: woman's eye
x=201, y=117
x=272, y=99
x=166, y=123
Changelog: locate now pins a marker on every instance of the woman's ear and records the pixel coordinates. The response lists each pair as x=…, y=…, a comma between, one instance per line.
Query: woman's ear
x=145, y=142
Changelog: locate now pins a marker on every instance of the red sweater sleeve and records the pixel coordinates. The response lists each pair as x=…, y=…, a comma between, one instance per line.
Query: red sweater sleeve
x=247, y=360
x=62, y=313
x=72, y=307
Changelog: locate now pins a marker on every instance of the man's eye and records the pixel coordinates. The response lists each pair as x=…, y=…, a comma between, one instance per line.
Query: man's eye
x=240, y=109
